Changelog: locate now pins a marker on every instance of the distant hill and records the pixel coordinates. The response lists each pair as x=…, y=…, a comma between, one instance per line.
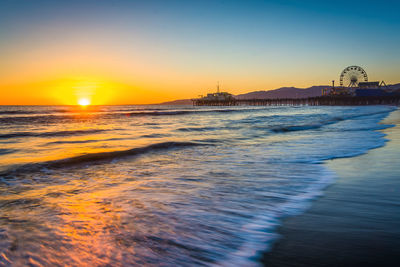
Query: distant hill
x=285, y=92
x=178, y=102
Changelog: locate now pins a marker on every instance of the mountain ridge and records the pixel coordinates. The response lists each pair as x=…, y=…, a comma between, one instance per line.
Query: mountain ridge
x=284, y=92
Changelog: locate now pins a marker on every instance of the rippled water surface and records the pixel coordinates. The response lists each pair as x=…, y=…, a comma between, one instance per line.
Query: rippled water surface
x=164, y=185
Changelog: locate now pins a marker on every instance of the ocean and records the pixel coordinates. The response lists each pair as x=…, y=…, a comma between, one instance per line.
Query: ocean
x=165, y=185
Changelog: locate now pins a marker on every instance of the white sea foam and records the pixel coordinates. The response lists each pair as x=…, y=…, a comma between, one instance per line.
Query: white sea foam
x=260, y=234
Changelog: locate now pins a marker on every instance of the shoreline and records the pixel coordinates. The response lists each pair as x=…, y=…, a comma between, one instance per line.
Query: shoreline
x=356, y=221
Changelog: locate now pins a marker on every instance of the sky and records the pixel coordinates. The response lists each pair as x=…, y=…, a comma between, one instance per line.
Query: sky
x=139, y=52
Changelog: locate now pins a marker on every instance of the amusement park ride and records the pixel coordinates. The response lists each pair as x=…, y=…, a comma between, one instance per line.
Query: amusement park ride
x=354, y=82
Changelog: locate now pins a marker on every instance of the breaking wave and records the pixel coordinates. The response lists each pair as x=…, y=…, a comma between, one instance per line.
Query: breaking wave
x=101, y=156
x=320, y=124
x=49, y=134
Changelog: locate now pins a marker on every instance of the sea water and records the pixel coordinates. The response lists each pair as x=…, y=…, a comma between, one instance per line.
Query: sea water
x=165, y=185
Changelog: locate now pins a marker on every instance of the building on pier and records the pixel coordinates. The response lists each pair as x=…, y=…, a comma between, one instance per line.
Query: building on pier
x=354, y=82
x=217, y=96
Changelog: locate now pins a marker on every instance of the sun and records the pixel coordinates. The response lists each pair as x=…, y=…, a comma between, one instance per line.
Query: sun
x=84, y=102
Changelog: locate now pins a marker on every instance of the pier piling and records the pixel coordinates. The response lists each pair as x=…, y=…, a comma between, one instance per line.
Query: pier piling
x=311, y=101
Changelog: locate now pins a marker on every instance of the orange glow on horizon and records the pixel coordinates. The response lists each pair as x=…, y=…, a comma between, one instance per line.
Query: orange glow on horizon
x=97, y=89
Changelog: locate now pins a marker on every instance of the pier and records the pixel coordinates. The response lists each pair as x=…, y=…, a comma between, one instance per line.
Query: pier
x=312, y=101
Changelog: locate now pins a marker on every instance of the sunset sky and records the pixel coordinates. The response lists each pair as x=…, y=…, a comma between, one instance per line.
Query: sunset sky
x=137, y=52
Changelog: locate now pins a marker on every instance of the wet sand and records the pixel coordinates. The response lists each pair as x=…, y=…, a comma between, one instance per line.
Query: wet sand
x=357, y=221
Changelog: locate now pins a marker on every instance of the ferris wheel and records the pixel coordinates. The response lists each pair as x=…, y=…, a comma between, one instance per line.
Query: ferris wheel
x=352, y=75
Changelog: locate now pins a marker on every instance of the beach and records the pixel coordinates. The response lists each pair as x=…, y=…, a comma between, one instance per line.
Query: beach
x=357, y=220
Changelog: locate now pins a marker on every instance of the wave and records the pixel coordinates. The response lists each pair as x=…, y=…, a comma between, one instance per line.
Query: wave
x=36, y=119
x=19, y=112
x=139, y=109
x=184, y=112
x=166, y=112
x=195, y=129
x=159, y=113
x=37, y=111
x=96, y=157
x=49, y=134
x=4, y=151
x=297, y=128
x=154, y=135
x=320, y=124
x=260, y=234
x=83, y=141
x=73, y=142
